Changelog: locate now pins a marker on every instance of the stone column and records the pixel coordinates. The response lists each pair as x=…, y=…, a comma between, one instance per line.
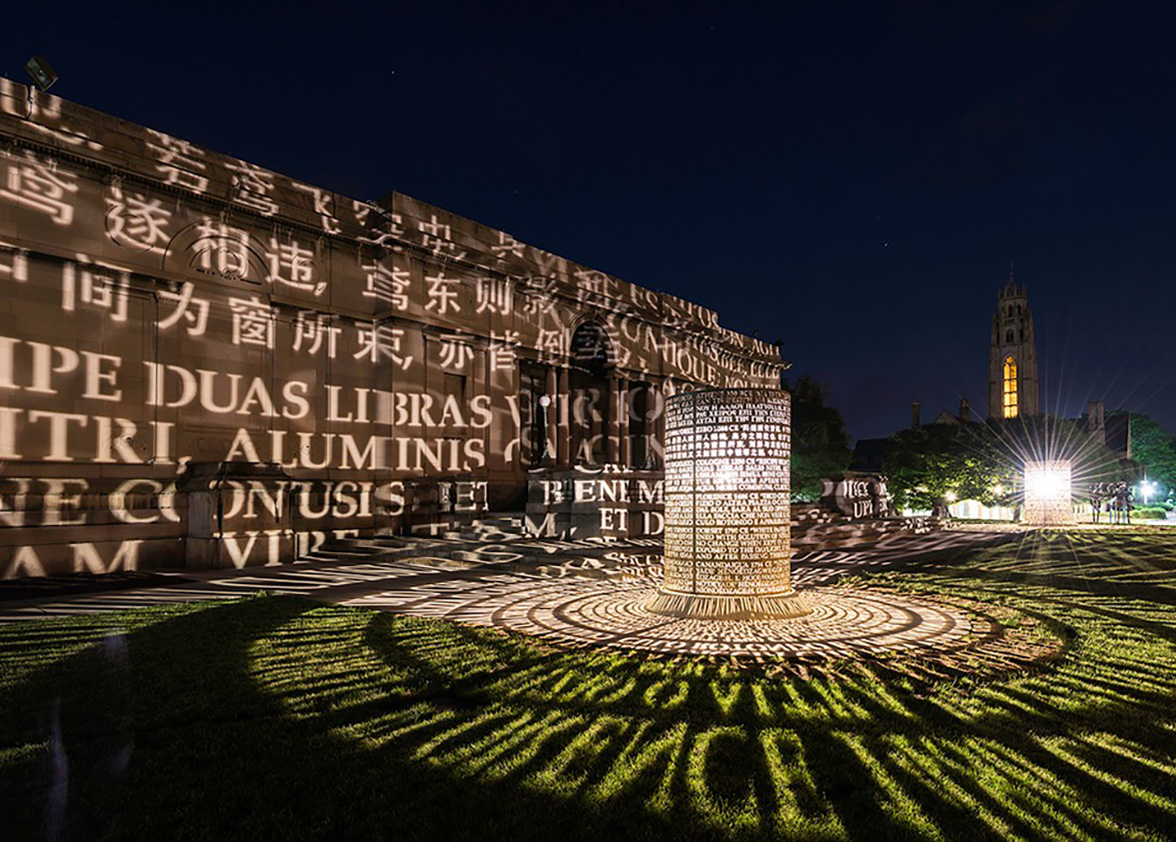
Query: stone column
x=549, y=416
x=239, y=514
x=612, y=451
x=656, y=427
x=625, y=458
x=563, y=426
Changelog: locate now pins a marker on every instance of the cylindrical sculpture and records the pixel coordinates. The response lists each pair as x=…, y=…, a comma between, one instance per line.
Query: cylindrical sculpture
x=727, y=507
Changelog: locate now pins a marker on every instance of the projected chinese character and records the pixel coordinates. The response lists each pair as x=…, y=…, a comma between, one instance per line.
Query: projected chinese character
x=293, y=266
x=323, y=202
x=442, y=294
x=378, y=342
x=313, y=331
x=455, y=355
x=15, y=264
x=39, y=184
x=539, y=294
x=502, y=355
x=179, y=162
x=438, y=238
x=80, y=283
x=136, y=222
x=507, y=245
x=493, y=295
x=387, y=227
x=194, y=311
x=387, y=283
x=253, y=322
x=252, y=187
x=221, y=249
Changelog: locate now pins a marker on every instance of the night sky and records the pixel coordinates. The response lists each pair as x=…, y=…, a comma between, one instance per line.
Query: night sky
x=852, y=179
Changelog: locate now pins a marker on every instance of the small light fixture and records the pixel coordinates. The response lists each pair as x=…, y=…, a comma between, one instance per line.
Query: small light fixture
x=43, y=74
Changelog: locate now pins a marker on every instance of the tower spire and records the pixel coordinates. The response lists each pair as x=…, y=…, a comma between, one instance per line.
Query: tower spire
x=1012, y=371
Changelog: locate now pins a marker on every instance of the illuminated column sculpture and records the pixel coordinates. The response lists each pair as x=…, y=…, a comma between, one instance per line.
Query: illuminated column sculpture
x=727, y=507
x=1047, y=494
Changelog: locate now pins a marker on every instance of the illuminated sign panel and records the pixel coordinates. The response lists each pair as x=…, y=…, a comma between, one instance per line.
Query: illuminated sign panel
x=1047, y=494
x=727, y=506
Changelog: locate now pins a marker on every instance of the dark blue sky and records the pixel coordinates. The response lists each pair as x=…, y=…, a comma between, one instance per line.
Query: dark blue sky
x=850, y=178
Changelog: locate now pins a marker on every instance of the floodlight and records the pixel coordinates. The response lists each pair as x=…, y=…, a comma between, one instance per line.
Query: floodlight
x=1047, y=493
x=44, y=75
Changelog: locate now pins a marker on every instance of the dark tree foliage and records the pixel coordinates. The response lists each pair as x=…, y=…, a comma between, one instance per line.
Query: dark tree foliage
x=820, y=444
x=1154, y=448
x=926, y=464
x=985, y=461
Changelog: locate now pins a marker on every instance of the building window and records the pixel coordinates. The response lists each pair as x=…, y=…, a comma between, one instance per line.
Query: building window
x=455, y=387
x=1008, y=336
x=1010, y=388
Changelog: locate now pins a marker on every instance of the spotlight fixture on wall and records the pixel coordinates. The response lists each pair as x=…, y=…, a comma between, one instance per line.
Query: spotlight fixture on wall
x=43, y=74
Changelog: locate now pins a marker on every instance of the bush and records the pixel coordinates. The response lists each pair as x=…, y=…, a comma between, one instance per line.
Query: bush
x=1149, y=513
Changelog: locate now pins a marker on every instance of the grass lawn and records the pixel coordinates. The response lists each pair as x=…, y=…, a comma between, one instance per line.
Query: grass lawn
x=276, y=717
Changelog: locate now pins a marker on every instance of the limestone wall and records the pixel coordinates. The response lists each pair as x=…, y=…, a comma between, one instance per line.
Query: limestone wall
x=164, y=305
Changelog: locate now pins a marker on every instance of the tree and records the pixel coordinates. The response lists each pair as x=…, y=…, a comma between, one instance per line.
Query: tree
x=820, y=444
x=1154, y=449
x=986, y=461
x=926, y=464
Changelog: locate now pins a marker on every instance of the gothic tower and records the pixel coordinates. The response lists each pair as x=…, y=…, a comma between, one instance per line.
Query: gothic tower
x=1012, y=360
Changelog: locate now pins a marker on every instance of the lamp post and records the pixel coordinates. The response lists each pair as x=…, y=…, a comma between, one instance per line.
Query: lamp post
x=545, y=454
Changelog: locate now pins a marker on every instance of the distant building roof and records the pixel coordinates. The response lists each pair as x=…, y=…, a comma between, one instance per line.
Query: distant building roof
x=867, y=455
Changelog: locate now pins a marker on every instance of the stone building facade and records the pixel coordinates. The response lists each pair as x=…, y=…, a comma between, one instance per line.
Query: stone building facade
x=204, y=359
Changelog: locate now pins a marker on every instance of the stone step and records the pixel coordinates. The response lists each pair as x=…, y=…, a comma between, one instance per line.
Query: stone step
x=504, y=522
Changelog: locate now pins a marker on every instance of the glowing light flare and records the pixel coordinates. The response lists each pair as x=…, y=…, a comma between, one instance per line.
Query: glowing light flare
x=1046, y=483
x=1048, y=493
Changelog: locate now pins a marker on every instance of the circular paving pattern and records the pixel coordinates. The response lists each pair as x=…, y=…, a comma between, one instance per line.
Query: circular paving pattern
x=845, y=622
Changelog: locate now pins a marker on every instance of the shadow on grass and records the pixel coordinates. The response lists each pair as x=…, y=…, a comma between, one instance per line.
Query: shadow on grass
x=281, y=717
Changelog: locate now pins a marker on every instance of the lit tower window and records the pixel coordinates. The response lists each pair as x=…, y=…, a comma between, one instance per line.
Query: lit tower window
x=1010, y=387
